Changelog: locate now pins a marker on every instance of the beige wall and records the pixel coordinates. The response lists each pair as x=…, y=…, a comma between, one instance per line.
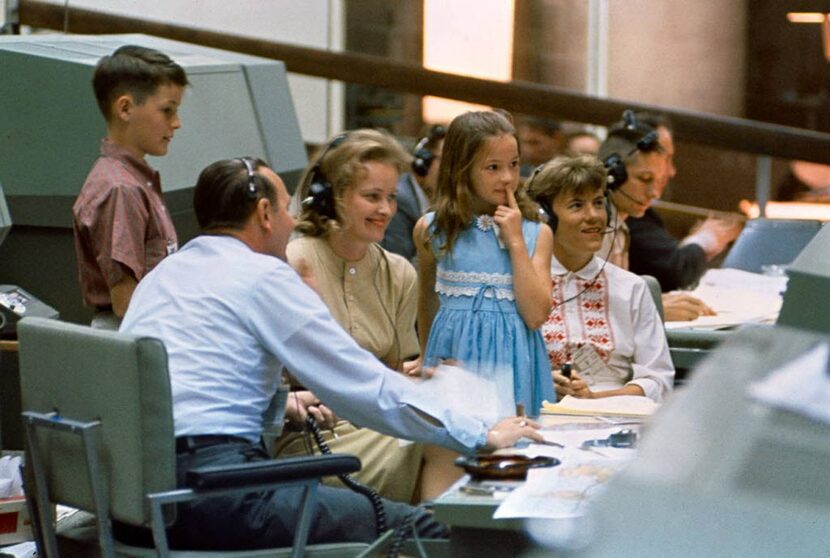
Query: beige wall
x=678, y=53
x=562, y=32
x=675, y=53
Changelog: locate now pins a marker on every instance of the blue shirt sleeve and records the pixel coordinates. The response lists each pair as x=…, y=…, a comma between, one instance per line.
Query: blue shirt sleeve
x=293, y=323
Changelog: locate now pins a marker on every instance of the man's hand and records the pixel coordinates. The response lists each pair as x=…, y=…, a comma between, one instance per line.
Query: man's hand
x=714, y=234
x=303, y=403
x=507, y=432
x=683, y=307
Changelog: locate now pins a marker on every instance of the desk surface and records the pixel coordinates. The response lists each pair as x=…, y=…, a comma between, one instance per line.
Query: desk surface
x=460, y=509
x=474, y=530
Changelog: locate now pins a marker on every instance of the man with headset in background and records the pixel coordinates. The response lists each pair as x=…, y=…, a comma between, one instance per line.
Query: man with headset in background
x=675, y=264
x=415, y=192
x=632, y=197
x=231, y=313
x=634, y=164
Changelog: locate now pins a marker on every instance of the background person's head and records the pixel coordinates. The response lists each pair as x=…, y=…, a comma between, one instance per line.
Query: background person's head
x=540, y=139
x=351, y=185
x=665, y=137
x=581, y=142
x=233, y=195
x=645, y=169
x=427, y=157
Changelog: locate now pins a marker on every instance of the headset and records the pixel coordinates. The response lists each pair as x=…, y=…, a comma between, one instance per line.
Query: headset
x=615, y=164
x=250, y=189
x=320, y=197
x=547, y=208
x=423, y=157
x=617, y=175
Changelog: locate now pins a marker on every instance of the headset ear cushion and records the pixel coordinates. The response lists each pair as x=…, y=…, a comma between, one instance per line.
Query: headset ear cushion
x=321, y=199
x=617, y=175
x=422, y=161
x=547, y=211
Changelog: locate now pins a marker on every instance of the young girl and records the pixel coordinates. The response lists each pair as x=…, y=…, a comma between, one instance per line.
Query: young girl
x=606, y=322
x=487, y=257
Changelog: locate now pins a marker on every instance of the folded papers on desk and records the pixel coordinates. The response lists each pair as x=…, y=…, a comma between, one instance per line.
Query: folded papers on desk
x=565, y=491
x=617, y=406
x=738, y=297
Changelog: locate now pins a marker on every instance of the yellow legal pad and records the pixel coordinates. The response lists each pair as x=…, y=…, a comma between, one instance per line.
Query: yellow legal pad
x=618, y=406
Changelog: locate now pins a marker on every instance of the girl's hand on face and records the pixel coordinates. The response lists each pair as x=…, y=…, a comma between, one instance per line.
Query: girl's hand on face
x=509, y=219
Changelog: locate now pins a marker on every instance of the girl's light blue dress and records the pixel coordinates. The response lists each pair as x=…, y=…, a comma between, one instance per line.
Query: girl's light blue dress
x=478, y=323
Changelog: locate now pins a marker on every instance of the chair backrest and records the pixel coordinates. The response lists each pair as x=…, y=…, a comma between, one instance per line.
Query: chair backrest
x=87, y=374
x=656, y=293
x=770, y=242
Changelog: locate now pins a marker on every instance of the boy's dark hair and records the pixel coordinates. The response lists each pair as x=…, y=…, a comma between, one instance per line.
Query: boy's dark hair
x=136, y=70
x=223, y=197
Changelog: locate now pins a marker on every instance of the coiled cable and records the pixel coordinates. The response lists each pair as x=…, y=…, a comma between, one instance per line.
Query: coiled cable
x=368, y=492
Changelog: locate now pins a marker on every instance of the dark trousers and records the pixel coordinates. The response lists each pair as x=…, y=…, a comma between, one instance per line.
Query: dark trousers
x=268, y=519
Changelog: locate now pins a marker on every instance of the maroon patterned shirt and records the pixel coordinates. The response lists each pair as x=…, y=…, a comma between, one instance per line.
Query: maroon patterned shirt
x=120, y=222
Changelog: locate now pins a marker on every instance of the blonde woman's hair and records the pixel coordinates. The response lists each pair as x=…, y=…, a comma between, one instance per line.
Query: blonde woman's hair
x=342, y=166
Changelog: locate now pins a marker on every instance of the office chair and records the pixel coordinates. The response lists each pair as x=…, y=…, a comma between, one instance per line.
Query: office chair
x=687, y=347
x=770, y=242
x=656, y=293
x=99, y=430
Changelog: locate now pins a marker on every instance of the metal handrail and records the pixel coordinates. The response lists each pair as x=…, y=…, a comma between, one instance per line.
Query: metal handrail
x=723, y=132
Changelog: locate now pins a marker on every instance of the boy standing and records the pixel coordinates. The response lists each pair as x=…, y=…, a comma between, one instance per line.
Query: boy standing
x=121, y=224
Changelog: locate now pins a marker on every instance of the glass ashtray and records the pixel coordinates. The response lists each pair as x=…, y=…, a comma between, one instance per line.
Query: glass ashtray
x=512, y=467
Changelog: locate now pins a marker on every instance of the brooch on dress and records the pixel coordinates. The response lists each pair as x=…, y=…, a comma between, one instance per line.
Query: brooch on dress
x=485, y=222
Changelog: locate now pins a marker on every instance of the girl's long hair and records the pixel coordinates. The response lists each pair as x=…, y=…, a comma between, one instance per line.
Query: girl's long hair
x=466, y=135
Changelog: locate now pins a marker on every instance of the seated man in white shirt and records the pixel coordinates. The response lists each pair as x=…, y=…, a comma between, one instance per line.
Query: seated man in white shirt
x=604, y=321
x=231, y=313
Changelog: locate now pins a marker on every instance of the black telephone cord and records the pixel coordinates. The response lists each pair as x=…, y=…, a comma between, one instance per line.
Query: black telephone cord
x=374, y=498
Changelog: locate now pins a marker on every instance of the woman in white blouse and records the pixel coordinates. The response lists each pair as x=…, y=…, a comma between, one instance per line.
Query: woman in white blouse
x=604, y=322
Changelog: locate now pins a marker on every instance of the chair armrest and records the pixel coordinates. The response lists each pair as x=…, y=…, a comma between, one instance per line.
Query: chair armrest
x=696, y=339
x=270, y=471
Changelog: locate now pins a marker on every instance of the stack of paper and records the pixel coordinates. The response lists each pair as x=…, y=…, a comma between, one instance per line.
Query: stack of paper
x=619, y=406
x=738, y=297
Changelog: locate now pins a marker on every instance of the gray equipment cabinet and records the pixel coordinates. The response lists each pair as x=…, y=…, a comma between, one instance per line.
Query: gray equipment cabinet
x=50, y=133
